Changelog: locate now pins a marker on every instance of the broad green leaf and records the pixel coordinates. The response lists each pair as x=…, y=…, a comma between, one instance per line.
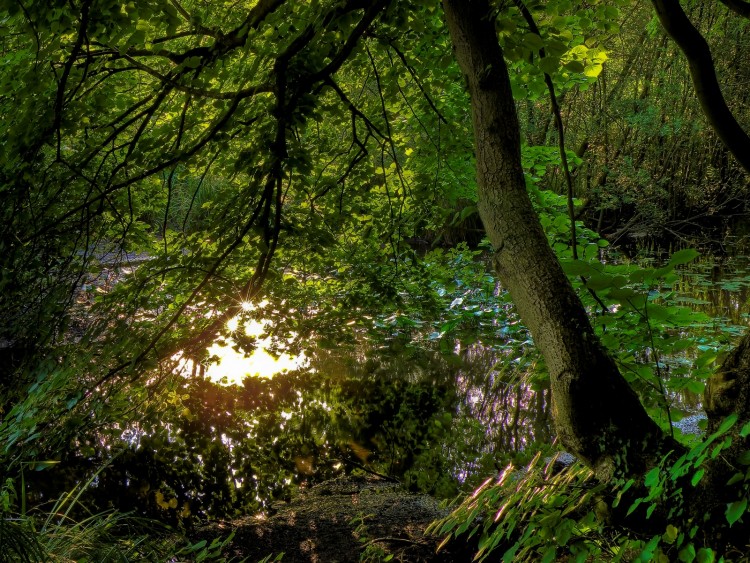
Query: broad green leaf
x=687, y=553
x=550, y=65
x=736, y=478
x=726, y=424
x=41, y=465
x=532, y=41
x=578, y=268
x=744, y=458
x=683, y=256
x=652, y=477
x=671, y=533
x=574, y=66
x=592, y=71
x=735, y=510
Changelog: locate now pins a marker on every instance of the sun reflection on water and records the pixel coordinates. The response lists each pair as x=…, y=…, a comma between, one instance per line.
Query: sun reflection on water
x=233, y=366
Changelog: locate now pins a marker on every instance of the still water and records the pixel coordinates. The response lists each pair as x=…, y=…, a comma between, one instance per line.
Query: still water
x=439, y=415
x=502, y=402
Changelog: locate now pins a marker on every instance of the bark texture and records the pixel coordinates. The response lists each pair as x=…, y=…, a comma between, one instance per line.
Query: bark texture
x=598, y=417
x=728, y=392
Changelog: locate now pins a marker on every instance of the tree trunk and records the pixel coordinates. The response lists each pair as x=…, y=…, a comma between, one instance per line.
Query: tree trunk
x=598, y=417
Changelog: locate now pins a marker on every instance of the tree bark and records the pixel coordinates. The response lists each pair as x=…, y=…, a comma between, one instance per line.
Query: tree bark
x=598, y=417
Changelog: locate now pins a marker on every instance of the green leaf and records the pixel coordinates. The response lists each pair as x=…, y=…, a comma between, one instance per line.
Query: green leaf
x=735, y=510
x=578, y=268
x=670, y=535
x=532, y=41
x=549, y=65
x=683, y=256
x=574, y=66
x=41, y=465
x=625, y=295
x=191, y=62
x=648, y=551
x=600, y=282
x=709, y=357
x=652, y=477
x=633, y=506
x=736, y=478
x=592, y=71
x=687, y=553
x=726, y=424
x=697, y=477
x=549, y=555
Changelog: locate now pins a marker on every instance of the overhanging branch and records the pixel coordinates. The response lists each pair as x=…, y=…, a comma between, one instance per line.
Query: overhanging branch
x=703, y=72
x=738, y=7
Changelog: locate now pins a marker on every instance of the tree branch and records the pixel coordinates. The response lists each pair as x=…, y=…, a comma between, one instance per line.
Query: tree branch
x=702, y=70
x=738, y=7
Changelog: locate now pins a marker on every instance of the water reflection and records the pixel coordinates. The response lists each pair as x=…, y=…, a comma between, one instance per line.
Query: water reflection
x=230, y=363
x=716, y=285
x=495, y=390
x=437, y=418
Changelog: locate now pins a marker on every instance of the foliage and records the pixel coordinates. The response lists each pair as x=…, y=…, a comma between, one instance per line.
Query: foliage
x=165, y=164
x=682, y=536
x=67, y=531
x=532, y=513
x=542, y=512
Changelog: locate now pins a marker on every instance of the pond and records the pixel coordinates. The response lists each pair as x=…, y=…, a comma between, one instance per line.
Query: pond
x=438, y=413
x=499, y=404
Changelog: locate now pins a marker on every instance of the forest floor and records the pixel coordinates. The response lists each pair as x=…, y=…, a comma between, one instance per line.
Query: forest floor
x=344, y=520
